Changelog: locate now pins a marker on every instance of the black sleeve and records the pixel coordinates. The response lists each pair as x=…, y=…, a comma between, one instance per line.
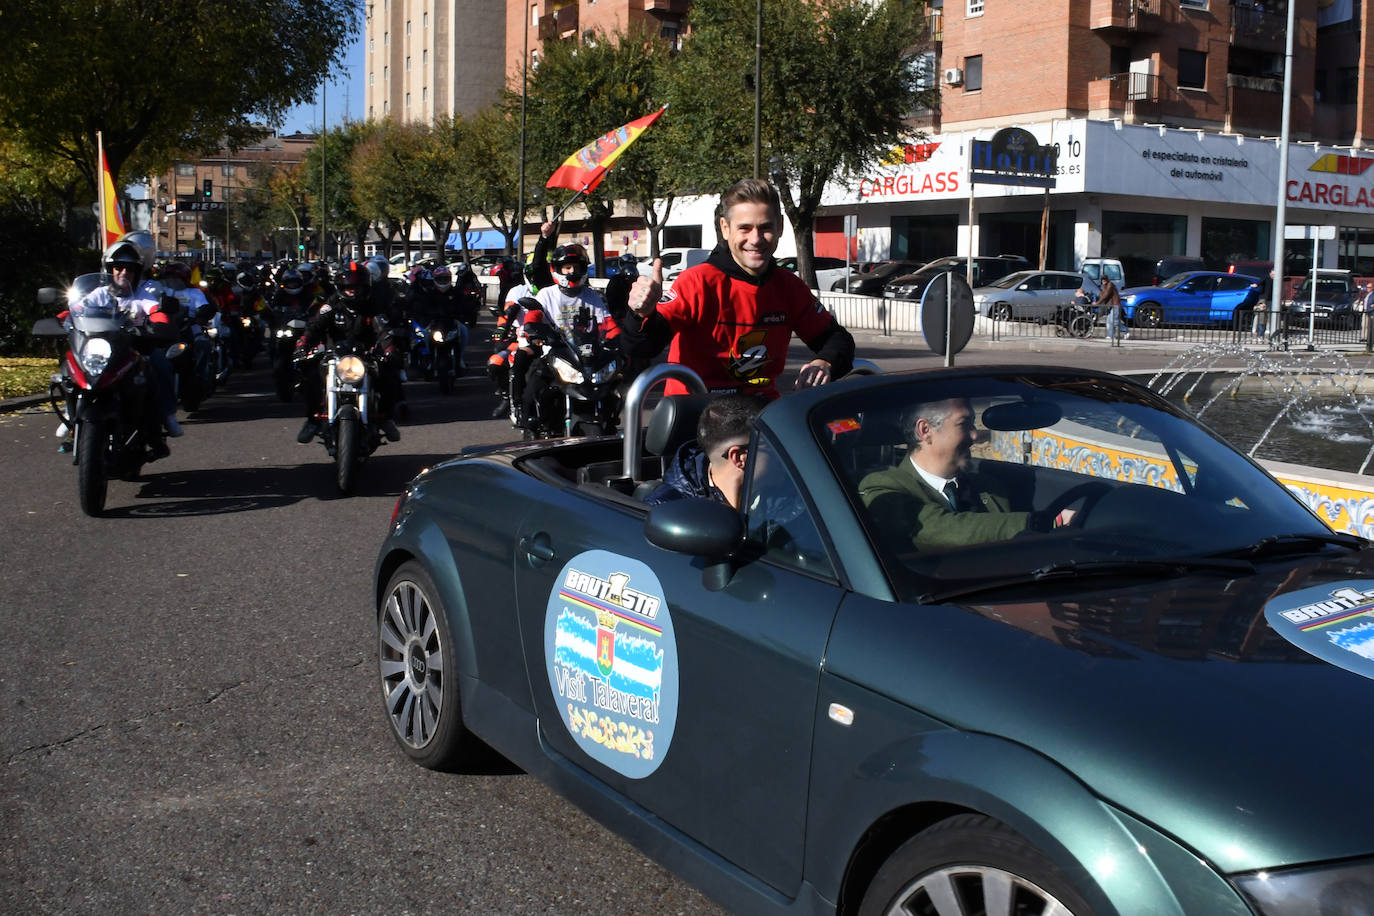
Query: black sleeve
x=644, y=337
x=835, y=345
x=543, y=276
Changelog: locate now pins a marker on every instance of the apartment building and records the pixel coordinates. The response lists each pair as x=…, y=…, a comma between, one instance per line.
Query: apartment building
x=428, y=58
x=1164, y=115
x=193, y=200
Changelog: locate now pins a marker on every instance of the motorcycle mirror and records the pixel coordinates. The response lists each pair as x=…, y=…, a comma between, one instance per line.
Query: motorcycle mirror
x=48, y=295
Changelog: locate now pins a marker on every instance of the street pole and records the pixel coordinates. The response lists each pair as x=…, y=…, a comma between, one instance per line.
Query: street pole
x=324, y=201
x=758, y=88
x=1276, y=285
x=524, y=95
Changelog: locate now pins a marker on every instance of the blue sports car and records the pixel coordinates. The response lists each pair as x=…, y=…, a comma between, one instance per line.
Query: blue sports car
x=1195, y=297
x=1099, y=676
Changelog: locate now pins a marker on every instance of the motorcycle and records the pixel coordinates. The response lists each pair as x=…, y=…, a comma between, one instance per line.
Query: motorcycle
x=104, y=394
x=194, y=364
x=583, y=373
x=349, y=426
x=282, y=330
x=445, y=338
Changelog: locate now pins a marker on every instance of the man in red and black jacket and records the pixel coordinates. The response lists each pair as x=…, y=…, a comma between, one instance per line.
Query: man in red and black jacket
x=731, y=317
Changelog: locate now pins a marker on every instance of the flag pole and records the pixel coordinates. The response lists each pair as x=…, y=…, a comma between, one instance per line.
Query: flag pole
x=100, y=186
x=572, y=200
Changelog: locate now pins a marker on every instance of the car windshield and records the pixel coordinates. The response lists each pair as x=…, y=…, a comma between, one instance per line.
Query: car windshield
x=1327, y=287
x=1010, y=280
x=1176, y=279
x=1148, y=487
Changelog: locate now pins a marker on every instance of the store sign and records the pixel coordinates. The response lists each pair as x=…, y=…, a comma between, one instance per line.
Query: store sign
x=1013, y=156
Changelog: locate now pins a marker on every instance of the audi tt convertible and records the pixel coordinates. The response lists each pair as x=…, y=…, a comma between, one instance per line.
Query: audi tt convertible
x=1132, y=693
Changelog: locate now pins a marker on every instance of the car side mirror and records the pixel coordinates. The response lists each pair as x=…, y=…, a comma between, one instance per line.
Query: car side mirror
x=700, y=528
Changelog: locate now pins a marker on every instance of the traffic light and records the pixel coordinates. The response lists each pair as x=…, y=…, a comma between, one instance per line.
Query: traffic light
x=209, y=186
x=300, y=247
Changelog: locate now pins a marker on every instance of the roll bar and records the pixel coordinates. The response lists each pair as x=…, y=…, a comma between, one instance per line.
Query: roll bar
x=634, y=402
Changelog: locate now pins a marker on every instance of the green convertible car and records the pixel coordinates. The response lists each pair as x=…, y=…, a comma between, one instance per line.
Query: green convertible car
x=1108, y=686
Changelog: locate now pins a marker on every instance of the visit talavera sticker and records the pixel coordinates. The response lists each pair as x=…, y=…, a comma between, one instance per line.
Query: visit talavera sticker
x=612, y=661
x=1334, y=622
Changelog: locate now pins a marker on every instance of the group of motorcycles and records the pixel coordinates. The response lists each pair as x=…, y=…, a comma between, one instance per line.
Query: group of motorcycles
x=105, y=396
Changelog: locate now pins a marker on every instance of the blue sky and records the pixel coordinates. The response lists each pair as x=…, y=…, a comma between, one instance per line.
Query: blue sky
x=344, y=96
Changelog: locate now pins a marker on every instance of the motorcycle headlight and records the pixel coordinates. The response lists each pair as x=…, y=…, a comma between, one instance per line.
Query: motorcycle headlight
x=246, y=321
x=95, y=355
x=567, y=371
x=437, y=336
x=283, y=332
x=605, y=373
x=1346, y=886
x=212, y=332
x=351, y=370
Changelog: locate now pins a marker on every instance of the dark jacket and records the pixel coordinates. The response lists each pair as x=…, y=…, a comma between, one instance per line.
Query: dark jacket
x=687, y=476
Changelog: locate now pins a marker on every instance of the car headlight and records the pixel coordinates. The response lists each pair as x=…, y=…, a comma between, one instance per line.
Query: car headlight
x=1128, y=300
x=1342, y=889
x=605, y=373
x=95, y=355
x=567, y=371
x=903, y=292
x=351, y=370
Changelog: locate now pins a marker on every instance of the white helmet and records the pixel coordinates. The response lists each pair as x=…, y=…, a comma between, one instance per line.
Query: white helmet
x=146, y=246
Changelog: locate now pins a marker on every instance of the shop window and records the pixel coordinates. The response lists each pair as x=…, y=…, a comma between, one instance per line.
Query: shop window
x=1192, y=69
x=973, y=73
x=1349, y=86
x=1225, y=241
x=1139, y=240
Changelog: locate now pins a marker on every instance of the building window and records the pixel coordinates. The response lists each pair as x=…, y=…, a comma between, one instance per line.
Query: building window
x=372, y=79
x=386, y=108
x=534, y=15
x=186, y=169
x=424, y=93
x=424, y=22
x=386, y=39
x=186, y=217
x=386, y=74
x=424, y=57
x=407, y=64
x=973, y=73
x=227, y=170
x=1195, y=4
x=975, y=8
x=1192, y=69
x=371, y=45
x=407, y=26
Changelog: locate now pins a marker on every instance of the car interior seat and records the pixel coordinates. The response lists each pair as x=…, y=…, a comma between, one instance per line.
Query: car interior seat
x=673, y=422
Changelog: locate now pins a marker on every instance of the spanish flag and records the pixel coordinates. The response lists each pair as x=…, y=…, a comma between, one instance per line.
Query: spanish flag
x=111, y=222
x=584, y=169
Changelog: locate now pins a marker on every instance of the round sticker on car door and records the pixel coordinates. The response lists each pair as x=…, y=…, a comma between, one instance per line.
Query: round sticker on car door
x=1334, y=622
x=612, y=661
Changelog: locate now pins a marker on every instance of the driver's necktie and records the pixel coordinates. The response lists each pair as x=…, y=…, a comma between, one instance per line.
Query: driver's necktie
x=952, y=494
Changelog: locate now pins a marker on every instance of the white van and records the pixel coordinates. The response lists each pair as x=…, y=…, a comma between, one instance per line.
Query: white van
x=676, y=260
x=1094, y=269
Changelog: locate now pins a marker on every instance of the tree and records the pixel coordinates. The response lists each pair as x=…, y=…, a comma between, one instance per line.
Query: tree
x=343, y=219
x=838, y=80
x=489, y=171
x=578, y=93
x=385, y=171
x=160, y=80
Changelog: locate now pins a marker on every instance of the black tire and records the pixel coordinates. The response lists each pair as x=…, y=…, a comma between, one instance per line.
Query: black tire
x=92, y=472
x=1001, y=311
x=192, y=393
x=443, y=367
x=346, y=446
x=284, y=383
x=1081, y=325
x=418, y=672
x=963, y=857
x=1148, y=315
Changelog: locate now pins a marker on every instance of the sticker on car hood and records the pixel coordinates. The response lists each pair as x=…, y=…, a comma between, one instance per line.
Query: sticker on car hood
x=1334, y=622
x=612, y=661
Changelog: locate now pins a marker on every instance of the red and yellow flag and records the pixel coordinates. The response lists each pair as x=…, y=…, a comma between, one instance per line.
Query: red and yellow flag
x=111, y=219
x=584, y=169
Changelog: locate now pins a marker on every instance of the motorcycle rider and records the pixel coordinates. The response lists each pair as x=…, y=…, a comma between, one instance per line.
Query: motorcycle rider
x=353, y=283
x=470, y=293
x=504, y=338
x=443, y=302
x=142, y=300
x=559, y=305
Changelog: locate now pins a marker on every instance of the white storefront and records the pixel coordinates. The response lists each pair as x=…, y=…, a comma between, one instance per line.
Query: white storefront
x=1129, y=191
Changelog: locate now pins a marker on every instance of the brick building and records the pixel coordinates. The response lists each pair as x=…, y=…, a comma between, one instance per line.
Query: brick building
x=1165, y=115
x=186, y=219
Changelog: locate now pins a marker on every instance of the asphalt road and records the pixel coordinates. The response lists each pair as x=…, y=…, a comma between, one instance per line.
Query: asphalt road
x=191, y=722
x=190, y=714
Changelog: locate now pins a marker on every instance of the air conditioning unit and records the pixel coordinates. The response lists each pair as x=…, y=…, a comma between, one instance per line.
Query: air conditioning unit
x=954, y=76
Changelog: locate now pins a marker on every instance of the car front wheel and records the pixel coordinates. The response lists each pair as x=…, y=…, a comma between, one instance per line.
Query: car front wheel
x=419, y=678
x=1001, y=311
x=1149, y=315
x=970, y=864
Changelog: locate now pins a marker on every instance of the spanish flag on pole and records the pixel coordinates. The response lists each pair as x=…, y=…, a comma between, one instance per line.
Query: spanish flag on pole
x=111, y=223
x=584, y=169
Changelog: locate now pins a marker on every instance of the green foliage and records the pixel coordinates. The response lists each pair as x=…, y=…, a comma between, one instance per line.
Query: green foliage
x=488, y=180
x=160, y=79
x=34, y=252
x=344, y=220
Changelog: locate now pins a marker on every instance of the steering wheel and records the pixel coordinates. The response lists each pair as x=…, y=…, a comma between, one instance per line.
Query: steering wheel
x=1089, y=492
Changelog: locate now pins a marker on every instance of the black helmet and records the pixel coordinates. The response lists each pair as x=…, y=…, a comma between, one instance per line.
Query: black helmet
x=292, y=281
x=353, y=279
x=629, y=265
x=574, y=254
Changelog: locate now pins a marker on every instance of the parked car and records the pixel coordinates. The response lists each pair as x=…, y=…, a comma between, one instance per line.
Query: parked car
x=676, y=260
x=799, y=709
x=1196, y=297
x=1336, y=296
x=829, y=271
x=986, y=269
x=1260, y=270
x=1174, y=265
x=1035, y=294
x=872, y=282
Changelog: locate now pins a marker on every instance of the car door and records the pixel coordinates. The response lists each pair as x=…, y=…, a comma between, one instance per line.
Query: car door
x=1191, y=302
x=698, y=705
x=1033, y=298
x=1233, y=294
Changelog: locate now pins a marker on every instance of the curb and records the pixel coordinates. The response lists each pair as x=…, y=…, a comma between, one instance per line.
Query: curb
x=22, y=402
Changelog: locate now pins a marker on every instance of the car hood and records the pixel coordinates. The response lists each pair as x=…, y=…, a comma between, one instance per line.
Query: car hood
x=1176, y=701
x=1338, y=300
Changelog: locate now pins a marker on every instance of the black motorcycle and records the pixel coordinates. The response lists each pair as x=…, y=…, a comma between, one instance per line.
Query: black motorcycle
x=444, y=339
x=104, y=393
x=349, y=427
x=582, y=374
x=282, y=328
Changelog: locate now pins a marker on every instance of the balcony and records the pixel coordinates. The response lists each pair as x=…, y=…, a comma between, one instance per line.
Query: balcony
x=667, y=8
x=1258, y=26
x=559, y=23
x=1125, y=15
x=1137, y=97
